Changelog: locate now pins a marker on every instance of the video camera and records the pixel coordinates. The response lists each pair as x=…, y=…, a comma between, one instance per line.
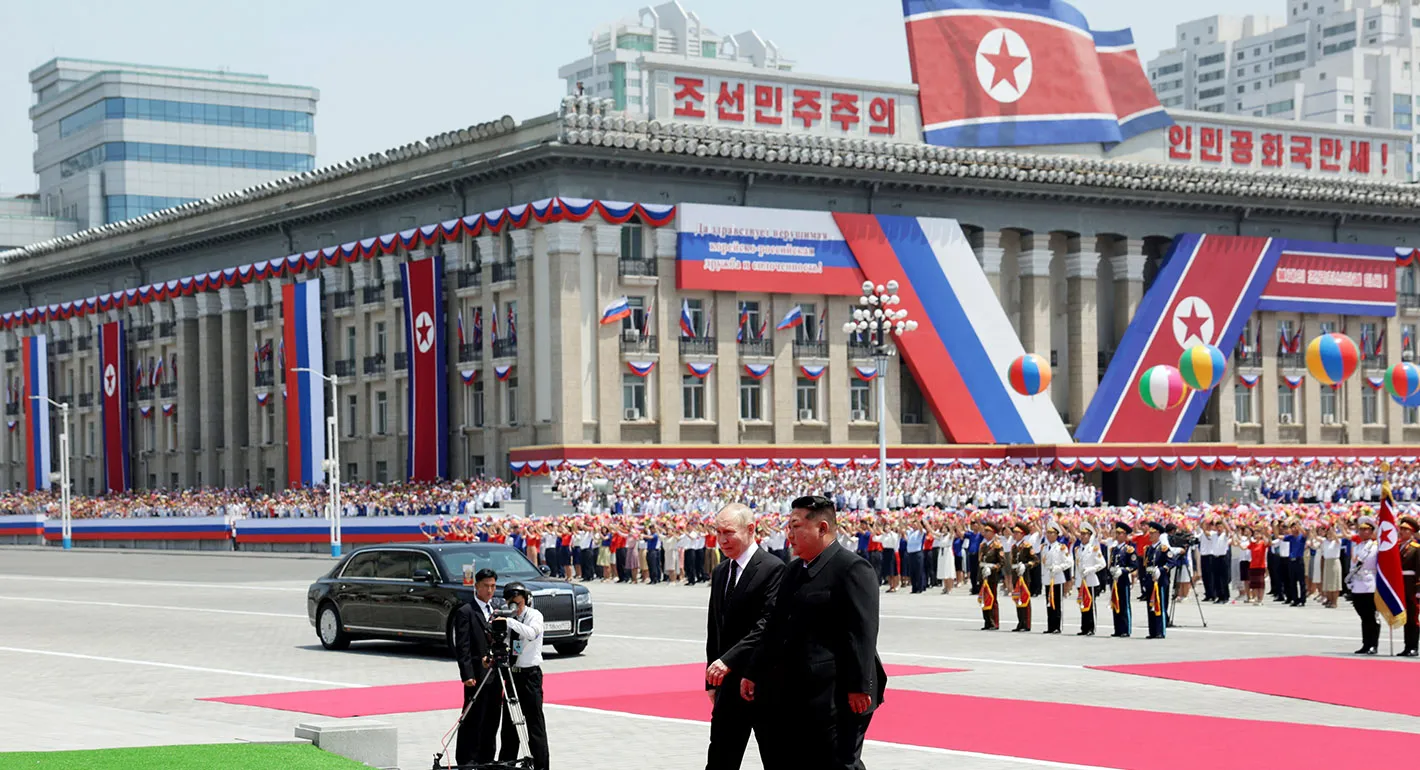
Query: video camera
x=498, y=636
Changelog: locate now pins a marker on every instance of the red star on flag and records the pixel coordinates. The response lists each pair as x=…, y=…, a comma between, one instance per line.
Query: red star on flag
x=1193, y=323
x=1005, y=66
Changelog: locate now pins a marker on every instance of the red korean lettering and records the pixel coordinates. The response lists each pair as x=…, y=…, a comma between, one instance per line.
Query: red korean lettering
x=1242, y=148
x=1385, y=158
x=1329, y=151
x=769, y=105
x=1272, y=150
x=1181, y=142
x=882, y=111
x=808, y=106
x=1210, y=145
x=1360, y=158
x=730, y=105
x=1302, y=151
x=689, y=98
x=844, y=111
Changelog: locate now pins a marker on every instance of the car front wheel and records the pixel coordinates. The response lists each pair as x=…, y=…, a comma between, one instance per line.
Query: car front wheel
x=570, y=648
x=328, y=628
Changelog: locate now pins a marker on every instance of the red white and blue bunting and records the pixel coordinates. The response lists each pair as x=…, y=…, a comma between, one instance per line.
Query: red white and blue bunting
x=757, y=371
x=699, y=370
x=813, y=372
x=12, y=424
x=1375, y=383
x=640, y=368
x=1249, y=381
x=496, y=221
x=169, y=410
x=1292, y=381
x=1406, y=256
x=146, y=412
x=283, y=392
x=503, y=372
x=866, y=373
x=262, y=399
x=468, y=375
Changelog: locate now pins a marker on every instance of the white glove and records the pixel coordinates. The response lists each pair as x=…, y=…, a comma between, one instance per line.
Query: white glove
x=1115, y=572
x=987, y=569
x=1020, y=569
x=1154, y=572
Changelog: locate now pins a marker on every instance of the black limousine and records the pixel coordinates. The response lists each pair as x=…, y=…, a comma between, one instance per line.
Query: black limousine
x=410, y=592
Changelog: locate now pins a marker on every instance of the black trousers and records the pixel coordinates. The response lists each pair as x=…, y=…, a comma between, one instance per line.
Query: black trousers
x=1295, y=580
x=1157, y=614
x=1087, y=616
x=973, y=570
x=653, y=564
x=589, y=563
x=1412, y=614
x=1276, y=571
x=478, y=732
x=1365, y=605
x=810, y=738
x=622, y=573
x=1034, y=578
x=1215, y=577
x=1053, y=595
x=1123, y=617
x=731, y=721
x=914, y=567
x=529, y=685
x=875, y=558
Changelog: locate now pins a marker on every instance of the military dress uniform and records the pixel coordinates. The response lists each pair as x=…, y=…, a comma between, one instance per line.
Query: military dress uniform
x=1056, y=564
x=1154, y=584
x=991, y=558
x=1089, y=560
x=1122, y=560
x=1023, y=561
x=1410, y=580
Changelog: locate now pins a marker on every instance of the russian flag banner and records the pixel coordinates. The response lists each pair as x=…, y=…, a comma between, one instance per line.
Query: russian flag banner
x=305, y=390
x=974, y=64
x=428, y=400
x=34, y=361
x=113, y=363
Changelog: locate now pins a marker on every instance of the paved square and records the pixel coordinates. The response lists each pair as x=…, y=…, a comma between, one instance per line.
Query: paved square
x=117, y=649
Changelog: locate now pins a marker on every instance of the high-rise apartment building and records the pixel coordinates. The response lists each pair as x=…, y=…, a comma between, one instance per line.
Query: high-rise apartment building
x=116, y=141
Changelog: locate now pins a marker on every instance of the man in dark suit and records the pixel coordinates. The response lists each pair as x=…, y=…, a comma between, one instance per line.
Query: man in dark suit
x=817, y=667
x=741, y=596
x=478, y=732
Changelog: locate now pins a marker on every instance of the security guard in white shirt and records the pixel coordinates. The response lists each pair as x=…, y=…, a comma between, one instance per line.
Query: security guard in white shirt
x=525, y=643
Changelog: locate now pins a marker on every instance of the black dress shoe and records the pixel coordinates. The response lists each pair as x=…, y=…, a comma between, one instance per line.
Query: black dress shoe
x=1371, y=651
x=989, y=628
x=1083, y=633
x=1408, y=654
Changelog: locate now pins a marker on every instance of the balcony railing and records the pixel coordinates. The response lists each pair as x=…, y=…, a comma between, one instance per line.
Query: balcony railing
x=86, y=399
x=810, y=349
x=261, y=313
x=698, y=346
x=167, y=329
x=764, y=347
x=468, y=277
x=373, y=295
x=636, y=267
x=343, y=299
x=1373, y=361
x=1291, y=360
x=61, y=347
x=504, y=271
x=375, y=364
x=860, y=349
x=12, y=409
x=85, y=343
x=468, y=352
x=1250, y=358
x=168, y=390
x=1405, y=299
x=264, y=378
x=631, y=342
x=505, y=348
x=345, y=368
x=145, y=394
x=143, y=333
x=401, y=361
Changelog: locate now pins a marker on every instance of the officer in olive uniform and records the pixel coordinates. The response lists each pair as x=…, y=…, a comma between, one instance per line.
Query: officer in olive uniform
x=1023, y=560
x=1410, y=579
x=1154, y=581
x=1122, y=560
x=991, y=560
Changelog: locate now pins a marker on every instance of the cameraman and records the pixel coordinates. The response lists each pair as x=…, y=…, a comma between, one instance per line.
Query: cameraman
x=525, y=647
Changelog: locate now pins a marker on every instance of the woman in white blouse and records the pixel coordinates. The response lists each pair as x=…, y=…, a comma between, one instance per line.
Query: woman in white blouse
x=1331, y=567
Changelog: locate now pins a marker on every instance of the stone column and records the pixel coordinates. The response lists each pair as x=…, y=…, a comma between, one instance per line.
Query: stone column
x=989, y=256
x=784, y=375
x=840, y=372
x=568, y=314
x=257, y=452
x=727, y=368
x=1391, y=412
x=607, y=247
x=1266, y=401
x=1227, y=406
x=1128, y=269
x=1035, y=298
x=1082, y=333
x=201, y=383
x=666, y=327
x=1310, y=391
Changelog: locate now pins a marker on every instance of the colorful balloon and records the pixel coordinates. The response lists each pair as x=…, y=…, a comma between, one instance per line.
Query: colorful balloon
x=1201, y=367
x=1403, y=380
x=1029, y=375
x=1331, y=358
x=1161, y=387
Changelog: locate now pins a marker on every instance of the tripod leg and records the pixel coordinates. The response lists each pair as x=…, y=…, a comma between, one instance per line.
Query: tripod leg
x=514, y=707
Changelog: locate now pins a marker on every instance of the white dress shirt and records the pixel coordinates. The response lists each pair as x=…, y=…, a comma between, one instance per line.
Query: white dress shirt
x=743, y=562
x=525, y=638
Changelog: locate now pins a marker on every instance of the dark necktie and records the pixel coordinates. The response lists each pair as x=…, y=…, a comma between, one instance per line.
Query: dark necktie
x=734, y=573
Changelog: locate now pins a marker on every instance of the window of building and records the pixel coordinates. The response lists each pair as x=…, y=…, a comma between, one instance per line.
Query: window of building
x=477, y=409
x=352, y=416
x=860, y=400
x=632, y=242
x=510, y=394
x=93, y=440
x=698, y=324
x=692, y=397
x=1328, y=405
x=352, y=472
x=120, y=108
x=381, y=342
x=1291, y=58
x=382, y=472
x=633, y=324
x=806, y=398
x=751, y=399
x=808, y=330
x=1242, y=404
x=1242, y=71
x=1370, y=406
x=753, y=320
x=1286, y=105
x=633, y=397
x=145, y=152
x=118, y=208
x=1348, y=119
x=350, y=343
x=1171, y=69
x=382, y=413
x=268, y=424
x=1210, y=60
x=1286, y=404
x=912, y=402
x=1210, y=93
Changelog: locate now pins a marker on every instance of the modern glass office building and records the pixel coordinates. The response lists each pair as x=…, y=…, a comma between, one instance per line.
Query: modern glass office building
x=117, y=141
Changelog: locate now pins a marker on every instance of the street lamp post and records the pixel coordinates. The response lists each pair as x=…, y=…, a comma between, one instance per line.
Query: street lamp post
x=331, y=465
x=877, y=317
x=63, y=468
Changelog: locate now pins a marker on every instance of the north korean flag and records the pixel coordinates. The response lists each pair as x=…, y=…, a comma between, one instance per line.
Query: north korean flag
x=975, y=64
x=428, y=403
x=113, y=365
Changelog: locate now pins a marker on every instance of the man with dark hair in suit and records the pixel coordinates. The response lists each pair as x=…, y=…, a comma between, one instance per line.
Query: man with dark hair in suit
x=818, y=663
x=742, y=591
x=478, y=732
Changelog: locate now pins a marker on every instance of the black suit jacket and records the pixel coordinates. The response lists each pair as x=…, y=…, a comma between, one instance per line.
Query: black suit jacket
x=821, y=641
x=736, y=623
x=470, y=641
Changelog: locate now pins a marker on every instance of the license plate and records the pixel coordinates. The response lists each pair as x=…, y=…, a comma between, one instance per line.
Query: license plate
x=557, y=625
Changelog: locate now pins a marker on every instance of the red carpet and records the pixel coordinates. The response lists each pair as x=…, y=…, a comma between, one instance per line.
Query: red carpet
x=1085, y=735
x=614, y=684
x=1372, y=684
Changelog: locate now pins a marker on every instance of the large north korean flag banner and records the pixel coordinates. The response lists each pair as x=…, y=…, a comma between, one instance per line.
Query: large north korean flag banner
x=305, y=390
x=997, y=73
x=34, y=360
x=428, y=402
x=113, y=365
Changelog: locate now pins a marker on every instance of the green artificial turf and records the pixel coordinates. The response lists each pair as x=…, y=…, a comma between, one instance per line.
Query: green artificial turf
x=223, y=756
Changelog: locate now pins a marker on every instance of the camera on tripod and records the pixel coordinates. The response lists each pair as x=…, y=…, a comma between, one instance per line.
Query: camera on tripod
x=498, y=648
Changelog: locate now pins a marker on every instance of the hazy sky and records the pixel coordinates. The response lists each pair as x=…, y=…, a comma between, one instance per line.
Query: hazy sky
x=391, y=72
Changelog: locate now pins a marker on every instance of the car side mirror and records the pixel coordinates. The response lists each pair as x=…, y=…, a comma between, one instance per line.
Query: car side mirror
x=423, y=576
x=545, y=570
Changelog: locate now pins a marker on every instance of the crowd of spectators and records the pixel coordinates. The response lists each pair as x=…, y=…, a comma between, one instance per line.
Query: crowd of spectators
x=1334, y=481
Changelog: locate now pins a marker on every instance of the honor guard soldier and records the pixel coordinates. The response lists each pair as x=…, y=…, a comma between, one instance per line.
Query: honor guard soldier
x=991, y=558
x=1056, y=564
x=1410, y=579
x=1089, y=561
x=1154, y=582
x=1023, y=560
x=1122, y=559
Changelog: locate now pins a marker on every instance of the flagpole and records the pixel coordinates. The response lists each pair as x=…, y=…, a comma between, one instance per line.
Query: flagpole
x=1385, y=498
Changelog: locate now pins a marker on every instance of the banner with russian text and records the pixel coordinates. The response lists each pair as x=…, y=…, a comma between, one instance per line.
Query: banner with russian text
x=113, y=363
x=34, y=361
x=428, y=399
x=1345, y=279
x=305, y=399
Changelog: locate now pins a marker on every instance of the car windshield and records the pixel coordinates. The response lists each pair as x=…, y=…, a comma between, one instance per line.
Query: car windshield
x=508, y=563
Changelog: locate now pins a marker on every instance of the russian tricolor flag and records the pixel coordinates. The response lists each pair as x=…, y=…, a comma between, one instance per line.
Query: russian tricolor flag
x=687, y=325
x=995, y=73
x=795, y=317
x=616, y=311
x=113, y=367
x=34, y=361
x=428, y=403
x=305, y=391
